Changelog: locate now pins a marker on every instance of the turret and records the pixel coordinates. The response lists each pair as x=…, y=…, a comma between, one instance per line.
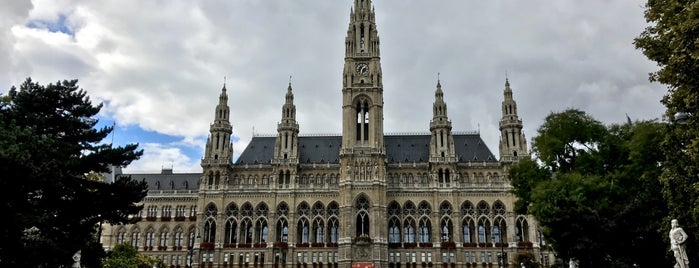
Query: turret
x=513, y=144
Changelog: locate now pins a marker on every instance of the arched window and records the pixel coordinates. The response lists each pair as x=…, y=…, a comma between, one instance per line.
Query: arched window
x=179, y=237
x=121, y=236
x=522, y=230
x=231, y=232
x=333, y=230
x=318, y=231
x=394, y=230
x=483, y=230
x=210, y=230
x=500, y=230
x=362, y=111
x=135, y=238
x=150, y=238
x=246, y=229
x=232, y=210
x=164, y=235
x=468, y=230
x=261, y=231
x=394, y=209
x=303, y=231
x=318, y=209
x=498, y=208
x=446, y=229
x=409, y=231
x=424, y=230
x=282, y=230
x=362, y=222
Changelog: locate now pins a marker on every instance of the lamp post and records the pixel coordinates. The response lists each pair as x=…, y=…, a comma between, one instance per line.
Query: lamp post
x=501, y=256
x=190, y=252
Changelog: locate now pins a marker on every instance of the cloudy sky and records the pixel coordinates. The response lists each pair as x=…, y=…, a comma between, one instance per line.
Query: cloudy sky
x=159, y=66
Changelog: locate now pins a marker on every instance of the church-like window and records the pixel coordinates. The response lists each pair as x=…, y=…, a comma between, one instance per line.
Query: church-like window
x=362, y=110
x=362, y=221
x=467, y=229
x=319, y=231
x=424, y=230
x=333, y=230
x=394, y=231
x=246, y=229
x=261, y=231
x=231, y=232
x=282, y=230
x=303, y=231
x=210, y=230
x=446, y=230
x=409, y=231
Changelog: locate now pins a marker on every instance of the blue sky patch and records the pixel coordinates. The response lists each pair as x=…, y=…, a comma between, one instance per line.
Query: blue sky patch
x=58, y=26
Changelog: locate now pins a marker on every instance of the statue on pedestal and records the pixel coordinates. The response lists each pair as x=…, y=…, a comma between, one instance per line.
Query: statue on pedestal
x=677, y=244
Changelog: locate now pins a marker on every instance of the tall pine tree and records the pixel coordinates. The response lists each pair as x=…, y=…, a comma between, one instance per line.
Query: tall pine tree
x=48, y=146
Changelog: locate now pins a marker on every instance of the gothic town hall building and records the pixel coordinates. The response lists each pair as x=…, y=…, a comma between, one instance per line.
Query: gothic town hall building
x=362, y=199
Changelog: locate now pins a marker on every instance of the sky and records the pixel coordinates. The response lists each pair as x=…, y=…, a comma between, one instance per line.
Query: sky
x=159, y=66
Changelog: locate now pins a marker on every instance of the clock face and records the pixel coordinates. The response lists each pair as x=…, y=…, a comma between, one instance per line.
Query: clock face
x=362, y=69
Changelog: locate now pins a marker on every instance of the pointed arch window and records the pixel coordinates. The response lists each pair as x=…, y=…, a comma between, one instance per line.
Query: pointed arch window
x=282, y=230
x=261, y=231
x=446, y=230
x=231, y=232
x=362, y=111
x=303, y=231
x=394, y=230
x=246, y=230
x=210, y=230
x=318, y=231
x=483, y=230
x=409, y=231
x=468, y=229
x=424, y=230
x=333, y=230
x=362, y=220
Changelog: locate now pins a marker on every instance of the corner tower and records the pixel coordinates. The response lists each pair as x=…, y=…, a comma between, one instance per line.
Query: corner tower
x=218, y=155
x=512, y=142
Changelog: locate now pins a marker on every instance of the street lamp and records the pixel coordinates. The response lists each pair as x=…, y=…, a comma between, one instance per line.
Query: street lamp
x=501, y=256
x=190, y=252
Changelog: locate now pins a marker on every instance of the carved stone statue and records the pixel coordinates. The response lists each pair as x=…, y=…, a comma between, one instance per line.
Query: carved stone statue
x=677, y=244
x=76, y=260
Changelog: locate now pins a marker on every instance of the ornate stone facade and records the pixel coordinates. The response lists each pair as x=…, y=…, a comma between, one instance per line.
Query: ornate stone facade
x=365, y=197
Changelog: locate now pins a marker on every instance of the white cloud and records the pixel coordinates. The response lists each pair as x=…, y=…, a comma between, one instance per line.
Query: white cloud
x=161, y=66
x=158, y=156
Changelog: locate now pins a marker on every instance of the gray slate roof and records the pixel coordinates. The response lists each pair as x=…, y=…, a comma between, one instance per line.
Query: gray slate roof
x=399, y=148
x=168, y=180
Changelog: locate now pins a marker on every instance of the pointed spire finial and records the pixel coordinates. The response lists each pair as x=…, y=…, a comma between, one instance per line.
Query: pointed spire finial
x=507, y=80
x=224, y=83
x=439, y=84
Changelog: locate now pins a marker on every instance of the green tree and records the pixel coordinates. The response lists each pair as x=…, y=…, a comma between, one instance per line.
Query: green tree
x=49, y=146
x=671, y=41
x=594, y=190
x=126, y=256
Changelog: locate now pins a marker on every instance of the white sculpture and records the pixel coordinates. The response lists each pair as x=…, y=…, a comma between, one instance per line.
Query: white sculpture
x=76, y=259
x=677, y=239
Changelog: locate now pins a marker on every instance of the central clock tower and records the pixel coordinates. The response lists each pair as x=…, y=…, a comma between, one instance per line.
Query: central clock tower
x=362, y=156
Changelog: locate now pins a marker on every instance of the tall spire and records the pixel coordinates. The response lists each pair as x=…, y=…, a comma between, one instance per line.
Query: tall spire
x=512, y=141
x=219, y=149
x=286, y=143
x=442, y=141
